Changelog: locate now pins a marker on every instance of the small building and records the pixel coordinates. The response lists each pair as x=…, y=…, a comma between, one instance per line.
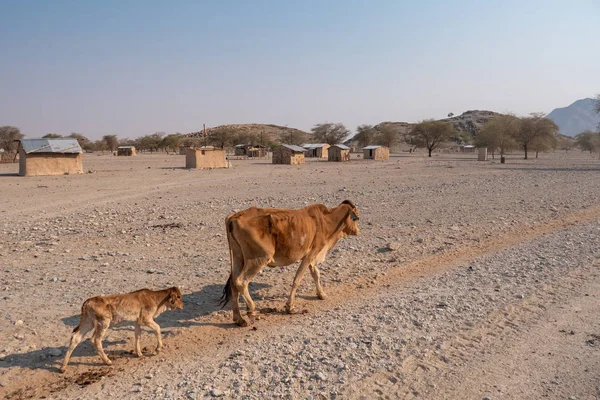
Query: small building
x=206, y=157
x=468, y=148
x=376, y=153
x=339, y=152
x=39, y=157
x=317, y=150
x=288, y=154
x=126, y=151
x=482, y=154
x=250, y=151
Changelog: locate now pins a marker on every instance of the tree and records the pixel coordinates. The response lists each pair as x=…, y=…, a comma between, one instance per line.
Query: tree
x=172, y=141
x=566, y=143
x=497, y=134
x=111, y=142
x=292, y=136
x=52, y=136
x=150, y=142
x=588, y=141
x=80, y=138
x=543, y=143
x=329, y=133
x=8, y=135
x=365, y=135
x=535, y=129
x=430, y=133
x=387, y=136
x=221, y=137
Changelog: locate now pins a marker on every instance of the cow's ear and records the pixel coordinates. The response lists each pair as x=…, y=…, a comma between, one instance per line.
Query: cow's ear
x=353, y=216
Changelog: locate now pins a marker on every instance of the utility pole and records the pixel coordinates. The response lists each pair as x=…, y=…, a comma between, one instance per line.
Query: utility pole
x=204, y=134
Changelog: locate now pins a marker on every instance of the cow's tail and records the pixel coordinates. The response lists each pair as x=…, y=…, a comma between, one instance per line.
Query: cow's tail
x=227, y=292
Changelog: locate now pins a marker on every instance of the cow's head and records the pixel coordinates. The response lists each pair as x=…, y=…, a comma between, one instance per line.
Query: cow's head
x=351, y=223
x=175, y=300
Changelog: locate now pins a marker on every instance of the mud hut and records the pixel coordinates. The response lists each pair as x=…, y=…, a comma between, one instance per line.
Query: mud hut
x=288, y=154
x=205, y=158
x=49, y=157
x=126, y=151
x=317, y=150
x=376, y=153
x=339, y=152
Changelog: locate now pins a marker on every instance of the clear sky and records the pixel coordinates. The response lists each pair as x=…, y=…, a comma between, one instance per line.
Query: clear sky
x=136, y=67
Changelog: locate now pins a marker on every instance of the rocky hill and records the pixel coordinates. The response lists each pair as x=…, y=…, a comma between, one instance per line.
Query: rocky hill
x=576, y=118
x=469, y=122
x=268, y=132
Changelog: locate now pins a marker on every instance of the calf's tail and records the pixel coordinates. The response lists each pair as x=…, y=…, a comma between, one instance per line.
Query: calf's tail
x=82, y=317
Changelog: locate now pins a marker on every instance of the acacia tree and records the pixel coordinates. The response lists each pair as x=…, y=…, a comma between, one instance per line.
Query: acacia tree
x=543, y=143
x=535, y=128
x=172, y=141
x=431, y=133
x=588, y=141
x=497, y=134
x=365, y=135
x=111, y=142
x=292, y=136
x=52, y=136
x=566, y=143
x=329, y=133
x=387, y=136
x=8, y=135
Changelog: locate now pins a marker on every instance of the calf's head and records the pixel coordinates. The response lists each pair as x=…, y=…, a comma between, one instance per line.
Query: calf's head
x=175, y=300
x=350, y=224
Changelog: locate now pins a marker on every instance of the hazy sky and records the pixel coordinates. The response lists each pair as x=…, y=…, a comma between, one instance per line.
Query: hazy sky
x=136, y=67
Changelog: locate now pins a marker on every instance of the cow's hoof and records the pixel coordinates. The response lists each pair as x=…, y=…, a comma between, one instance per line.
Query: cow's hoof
x=252, y=319
x=62, y=370
x=289, y=310
x=158, y=349
x=321, y=296
x=108, y=362
x=140, y=355
x=241, y=322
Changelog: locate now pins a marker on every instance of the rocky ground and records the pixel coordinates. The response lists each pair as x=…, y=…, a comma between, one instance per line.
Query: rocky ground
x=469, y=280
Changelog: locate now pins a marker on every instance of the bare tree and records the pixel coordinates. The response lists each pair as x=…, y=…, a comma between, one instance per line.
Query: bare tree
x=8, y=135
x=111, y=142
x=534, y=128
x=498, y=134
x=329, y=133
x=365, y=135
x=387, y=136
x=430, y=134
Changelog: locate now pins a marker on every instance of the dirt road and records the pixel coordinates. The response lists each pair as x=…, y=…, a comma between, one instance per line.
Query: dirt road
x=492, y=290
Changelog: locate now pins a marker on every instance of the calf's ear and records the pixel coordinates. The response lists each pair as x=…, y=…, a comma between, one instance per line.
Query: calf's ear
x=353, y=216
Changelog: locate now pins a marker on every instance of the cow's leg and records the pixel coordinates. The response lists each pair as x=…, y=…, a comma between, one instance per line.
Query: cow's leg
x=317, y=278
x=252, y=270
x=138, y=334
x=289, y=307
x=237, y=288
x=76, y=338
x=156, y=328
x=101, y=328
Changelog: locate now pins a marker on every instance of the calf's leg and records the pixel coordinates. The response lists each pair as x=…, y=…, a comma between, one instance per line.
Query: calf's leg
x=78, y=334
x=101, y=328
x=138, y=334
x=156, y=328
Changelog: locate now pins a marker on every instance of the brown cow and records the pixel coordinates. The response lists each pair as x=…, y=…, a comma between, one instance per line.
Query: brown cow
x=141, y=307
x=260, y=237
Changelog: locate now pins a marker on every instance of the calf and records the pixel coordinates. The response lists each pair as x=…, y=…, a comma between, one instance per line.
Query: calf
x=141, y=307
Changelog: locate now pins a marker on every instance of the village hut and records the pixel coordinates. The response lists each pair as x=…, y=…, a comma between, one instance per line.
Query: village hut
x=288, y=154
x=339, y=152
x=49, y=157
x=126, y=151
x=376, y=153
x=206, y=157
x=250, y=151
x=317, y=150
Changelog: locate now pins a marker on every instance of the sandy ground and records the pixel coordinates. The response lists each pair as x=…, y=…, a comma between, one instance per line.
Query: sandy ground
x=491, y=288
